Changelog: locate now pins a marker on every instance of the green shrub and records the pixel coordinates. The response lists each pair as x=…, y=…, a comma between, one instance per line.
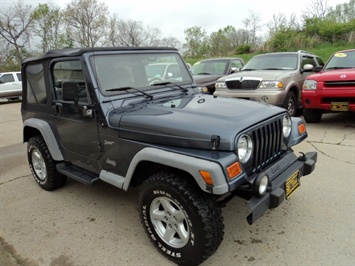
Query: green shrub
x=243, y=49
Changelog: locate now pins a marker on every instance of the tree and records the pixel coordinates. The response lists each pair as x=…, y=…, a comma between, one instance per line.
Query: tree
x=132, y=33
x=218, y=43
x=223, y=42
x=196, y=42
x=242, y=37
x=252, y=25
x=171, y=42
x=316, y=9
x=87, y=21
x=342, y=12
x=277, y=23
x=16, y=27
x=49, y=27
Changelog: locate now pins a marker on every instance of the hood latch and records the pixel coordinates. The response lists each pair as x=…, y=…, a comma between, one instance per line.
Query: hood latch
x=215, y=140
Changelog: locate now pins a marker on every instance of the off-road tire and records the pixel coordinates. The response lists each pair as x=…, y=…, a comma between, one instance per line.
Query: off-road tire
x=312, y=115
x=290, y=103
x=169, y=201
x=42, y=165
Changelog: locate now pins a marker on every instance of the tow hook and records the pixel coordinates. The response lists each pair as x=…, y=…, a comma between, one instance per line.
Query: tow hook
x=303, y=157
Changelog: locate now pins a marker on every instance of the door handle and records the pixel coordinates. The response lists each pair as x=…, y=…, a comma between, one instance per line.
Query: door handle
x=58, y=108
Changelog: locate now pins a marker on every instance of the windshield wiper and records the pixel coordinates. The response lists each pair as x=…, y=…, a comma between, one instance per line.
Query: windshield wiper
x=131, y=88
x=248, y=69
x=170, y=83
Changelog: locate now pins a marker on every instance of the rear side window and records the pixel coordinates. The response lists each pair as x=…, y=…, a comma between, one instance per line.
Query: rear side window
x=7, y=78
x=36, y=89
x=19, y=76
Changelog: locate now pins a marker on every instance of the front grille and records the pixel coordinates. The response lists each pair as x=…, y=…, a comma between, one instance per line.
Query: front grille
x=242, y=85
x=340, y=84
x=267, y=141
x=326, y=100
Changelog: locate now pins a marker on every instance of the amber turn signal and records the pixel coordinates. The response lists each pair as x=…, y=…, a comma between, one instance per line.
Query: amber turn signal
x=301, y=128
x=206, y=177
x=234, y=170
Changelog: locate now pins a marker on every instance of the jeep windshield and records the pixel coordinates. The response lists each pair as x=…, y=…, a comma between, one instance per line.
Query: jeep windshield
x=140, y=71
x=341, y=60
x=272, y=62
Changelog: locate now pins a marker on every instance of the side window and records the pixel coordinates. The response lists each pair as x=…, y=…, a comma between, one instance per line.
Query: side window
x=236, y=64
x=7, y=78
x=173, y=71
x=36, y=88
x=69, y=71
x=308, y=60
x=320, y=61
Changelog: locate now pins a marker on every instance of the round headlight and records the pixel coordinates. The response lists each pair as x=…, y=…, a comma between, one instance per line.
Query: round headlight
x=286, y=126
x=245, y=148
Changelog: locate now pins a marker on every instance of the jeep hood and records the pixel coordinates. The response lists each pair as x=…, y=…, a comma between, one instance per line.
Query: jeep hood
x=261, y=74
x=205, y=79
x=192, y=121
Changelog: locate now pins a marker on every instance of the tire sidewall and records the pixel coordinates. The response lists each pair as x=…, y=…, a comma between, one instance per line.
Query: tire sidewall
x=32, y=146
x=291, y=98
x=193, y=248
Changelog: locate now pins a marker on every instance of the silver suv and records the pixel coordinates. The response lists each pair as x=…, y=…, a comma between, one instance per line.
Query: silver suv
x=274, y=78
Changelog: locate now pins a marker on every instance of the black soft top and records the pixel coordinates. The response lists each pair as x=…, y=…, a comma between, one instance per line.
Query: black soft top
x=68, y=52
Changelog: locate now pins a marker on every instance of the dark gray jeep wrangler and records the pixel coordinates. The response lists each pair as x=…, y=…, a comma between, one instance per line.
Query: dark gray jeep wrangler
x=108, y=114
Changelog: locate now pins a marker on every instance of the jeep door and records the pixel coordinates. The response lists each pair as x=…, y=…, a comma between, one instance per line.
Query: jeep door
x=75, y=120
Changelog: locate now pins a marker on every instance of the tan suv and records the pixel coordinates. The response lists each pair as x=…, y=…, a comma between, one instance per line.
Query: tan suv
x=274, y=78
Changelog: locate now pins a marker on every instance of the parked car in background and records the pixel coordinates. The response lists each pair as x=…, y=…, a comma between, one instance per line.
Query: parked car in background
x=206, y=72
x=160, y=72
x=332, y=89
x=274, y=78
x=10, y=85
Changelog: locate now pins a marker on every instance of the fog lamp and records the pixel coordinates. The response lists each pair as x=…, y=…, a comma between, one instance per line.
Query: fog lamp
x=261, y=184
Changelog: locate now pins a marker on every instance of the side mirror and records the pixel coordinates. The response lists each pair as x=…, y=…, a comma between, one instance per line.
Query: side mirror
x=308, y=67
x=234, y=70
x=70, y=91
x=318, y=68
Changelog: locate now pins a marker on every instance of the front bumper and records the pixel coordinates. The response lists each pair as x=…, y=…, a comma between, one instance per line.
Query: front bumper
x=323, y=99
x=277, y=191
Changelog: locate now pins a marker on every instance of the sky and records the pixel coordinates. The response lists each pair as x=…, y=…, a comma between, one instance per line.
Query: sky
x=172, y=17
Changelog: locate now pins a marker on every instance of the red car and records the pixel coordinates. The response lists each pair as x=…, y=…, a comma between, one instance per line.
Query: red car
x=332, y=89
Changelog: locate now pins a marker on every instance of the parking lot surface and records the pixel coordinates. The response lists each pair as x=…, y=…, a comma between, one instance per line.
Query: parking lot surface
x=99, y=225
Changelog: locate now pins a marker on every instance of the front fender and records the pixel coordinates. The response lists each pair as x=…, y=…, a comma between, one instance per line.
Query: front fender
x=186, y=163
x=297, y=135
